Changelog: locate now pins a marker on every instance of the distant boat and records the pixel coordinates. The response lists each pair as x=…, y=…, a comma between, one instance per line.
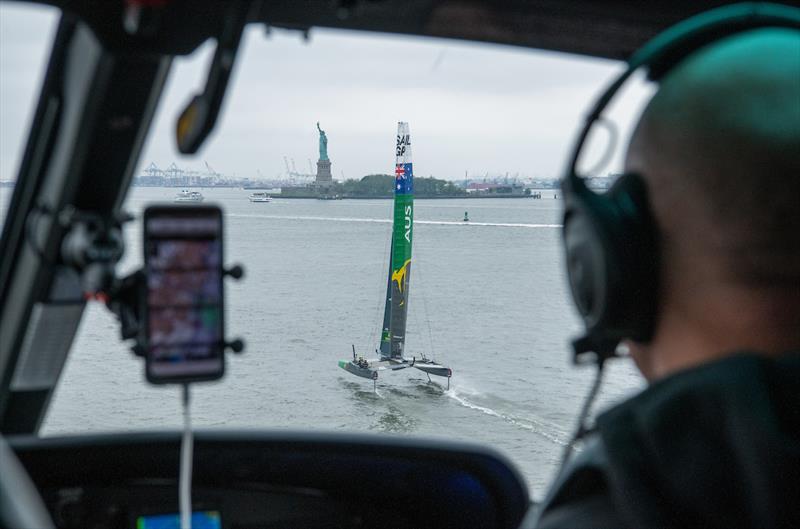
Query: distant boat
x=188, y=196
x=260, y=197
x=393, y=335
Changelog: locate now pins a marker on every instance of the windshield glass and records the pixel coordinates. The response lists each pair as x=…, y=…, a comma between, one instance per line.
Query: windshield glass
x=26, y=33
x=488, y=296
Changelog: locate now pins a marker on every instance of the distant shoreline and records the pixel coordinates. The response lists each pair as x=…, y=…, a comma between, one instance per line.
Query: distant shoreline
x=416, y=197
x=471, y=196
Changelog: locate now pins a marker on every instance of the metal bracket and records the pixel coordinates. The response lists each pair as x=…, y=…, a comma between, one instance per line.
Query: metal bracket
x=199, y=117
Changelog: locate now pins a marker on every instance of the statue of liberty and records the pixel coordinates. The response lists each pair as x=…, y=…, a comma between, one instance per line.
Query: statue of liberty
x=323, y=144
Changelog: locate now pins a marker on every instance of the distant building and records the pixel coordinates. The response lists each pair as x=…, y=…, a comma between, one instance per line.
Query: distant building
x=481, y=188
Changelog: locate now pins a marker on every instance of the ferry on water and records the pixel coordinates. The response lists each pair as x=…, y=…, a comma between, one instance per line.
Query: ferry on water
x=260, y=197
x=189, y=196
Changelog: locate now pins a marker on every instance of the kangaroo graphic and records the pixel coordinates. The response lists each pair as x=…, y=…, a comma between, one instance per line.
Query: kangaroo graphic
x=399, y=276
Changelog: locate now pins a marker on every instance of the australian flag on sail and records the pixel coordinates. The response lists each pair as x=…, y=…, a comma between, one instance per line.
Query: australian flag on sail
x=403, y=179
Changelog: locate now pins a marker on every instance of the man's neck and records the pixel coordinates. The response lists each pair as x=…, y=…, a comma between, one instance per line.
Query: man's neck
x=732, y=321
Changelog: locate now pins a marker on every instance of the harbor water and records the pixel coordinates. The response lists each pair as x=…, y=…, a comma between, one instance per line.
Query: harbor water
x=488, y=298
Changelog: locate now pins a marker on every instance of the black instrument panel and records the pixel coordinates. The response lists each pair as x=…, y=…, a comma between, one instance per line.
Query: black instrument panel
x=276, y=479
x=246, y=508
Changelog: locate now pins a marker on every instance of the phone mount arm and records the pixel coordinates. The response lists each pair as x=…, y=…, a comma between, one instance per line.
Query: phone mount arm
x=199, y=117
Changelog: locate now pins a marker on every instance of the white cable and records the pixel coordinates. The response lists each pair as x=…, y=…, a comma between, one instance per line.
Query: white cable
x=185, y=483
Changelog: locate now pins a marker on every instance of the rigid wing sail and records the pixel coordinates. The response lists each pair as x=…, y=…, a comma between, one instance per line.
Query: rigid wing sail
x=393, y=331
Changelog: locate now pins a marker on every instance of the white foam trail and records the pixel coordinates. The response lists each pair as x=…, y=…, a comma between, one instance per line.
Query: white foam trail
x=300, y=217
x=389, y=221
x=502, y=224
x=438, y=205
x=526, y=424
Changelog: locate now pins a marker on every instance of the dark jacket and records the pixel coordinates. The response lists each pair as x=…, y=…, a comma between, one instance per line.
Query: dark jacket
x=715, y=446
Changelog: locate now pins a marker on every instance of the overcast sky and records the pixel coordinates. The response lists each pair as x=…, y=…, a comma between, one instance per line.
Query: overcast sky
x=472, y=108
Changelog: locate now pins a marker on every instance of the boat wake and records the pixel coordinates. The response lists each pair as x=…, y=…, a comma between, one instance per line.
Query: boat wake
x=360, y=393
x=535, y=426
x=500, y=224
x=389, y=221
x=387, y=417
x=393, y=420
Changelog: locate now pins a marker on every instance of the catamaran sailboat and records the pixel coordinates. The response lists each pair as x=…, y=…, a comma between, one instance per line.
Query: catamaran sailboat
x=393, y=333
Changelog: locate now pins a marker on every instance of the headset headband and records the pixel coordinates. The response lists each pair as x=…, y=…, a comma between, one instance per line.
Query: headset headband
x=670, y=47
x=611, y=239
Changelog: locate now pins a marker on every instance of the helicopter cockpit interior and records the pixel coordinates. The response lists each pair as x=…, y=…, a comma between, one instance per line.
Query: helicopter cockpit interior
x=61, y=242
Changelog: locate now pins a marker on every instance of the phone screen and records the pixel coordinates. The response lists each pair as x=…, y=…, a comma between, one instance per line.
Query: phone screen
x=184, y=316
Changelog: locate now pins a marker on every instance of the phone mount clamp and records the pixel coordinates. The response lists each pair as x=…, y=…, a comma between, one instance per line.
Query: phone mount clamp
x=127, y=300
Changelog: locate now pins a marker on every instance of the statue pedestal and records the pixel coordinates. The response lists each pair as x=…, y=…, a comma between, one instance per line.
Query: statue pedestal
x=324, y=172
x=324, y=181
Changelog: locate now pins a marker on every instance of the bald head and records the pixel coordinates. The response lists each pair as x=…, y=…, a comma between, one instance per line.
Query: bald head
x=719, y=148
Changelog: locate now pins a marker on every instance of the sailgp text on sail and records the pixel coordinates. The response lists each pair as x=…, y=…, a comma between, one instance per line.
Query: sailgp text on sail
x=402, y=142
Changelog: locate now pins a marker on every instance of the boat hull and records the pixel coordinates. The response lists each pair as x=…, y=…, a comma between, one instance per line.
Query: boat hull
x=371, y=372
x=357, y=370
x=434, y=369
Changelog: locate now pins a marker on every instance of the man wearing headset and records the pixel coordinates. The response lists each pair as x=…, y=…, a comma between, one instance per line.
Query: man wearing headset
x=713, y=175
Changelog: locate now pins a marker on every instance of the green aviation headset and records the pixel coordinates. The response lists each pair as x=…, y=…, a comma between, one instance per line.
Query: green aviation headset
x=611, y=240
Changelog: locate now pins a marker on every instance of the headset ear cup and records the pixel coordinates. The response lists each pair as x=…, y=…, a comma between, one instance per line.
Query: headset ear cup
x=611, y=258
x=636, y=245
x=586, y=266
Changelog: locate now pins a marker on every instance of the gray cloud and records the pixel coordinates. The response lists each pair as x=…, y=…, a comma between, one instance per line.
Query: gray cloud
x=25, y=35
x=473, y=108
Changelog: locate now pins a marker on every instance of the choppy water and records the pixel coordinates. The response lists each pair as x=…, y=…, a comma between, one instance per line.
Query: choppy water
x=489, y=299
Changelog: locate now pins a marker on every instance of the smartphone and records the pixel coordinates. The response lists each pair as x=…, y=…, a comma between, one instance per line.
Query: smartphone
x=184, y=306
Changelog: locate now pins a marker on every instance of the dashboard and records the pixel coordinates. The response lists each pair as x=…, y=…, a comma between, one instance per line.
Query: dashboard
x=248, y=480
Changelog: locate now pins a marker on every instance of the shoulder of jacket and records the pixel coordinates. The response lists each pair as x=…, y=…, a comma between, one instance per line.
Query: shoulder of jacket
x=579, y=496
